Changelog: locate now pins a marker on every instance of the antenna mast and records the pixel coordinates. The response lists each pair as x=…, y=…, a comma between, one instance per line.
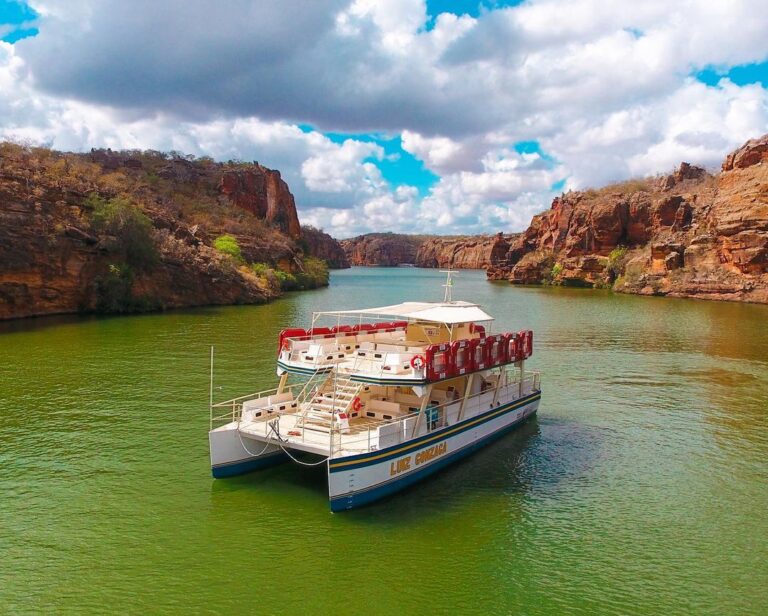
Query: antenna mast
x=448, y=286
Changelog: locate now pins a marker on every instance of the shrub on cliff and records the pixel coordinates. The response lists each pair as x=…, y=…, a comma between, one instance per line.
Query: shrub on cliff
x=616, y=262
x=229, y=245
x=129, y=229
x=315, y=274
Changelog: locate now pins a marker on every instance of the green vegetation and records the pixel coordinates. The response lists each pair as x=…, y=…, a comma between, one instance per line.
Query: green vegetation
x=616, y=261
x=229, y=245
x=114, y=292
x=131, y=244
x=315, y=275
x=129, y=228
x=551, y=272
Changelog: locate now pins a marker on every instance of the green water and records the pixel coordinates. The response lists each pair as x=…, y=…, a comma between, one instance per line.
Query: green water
x=641, y=488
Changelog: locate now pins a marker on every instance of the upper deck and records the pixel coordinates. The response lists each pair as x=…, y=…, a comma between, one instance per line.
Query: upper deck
x=430, y=342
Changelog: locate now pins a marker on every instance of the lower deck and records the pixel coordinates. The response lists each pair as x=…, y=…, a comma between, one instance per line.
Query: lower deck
x=332, y=416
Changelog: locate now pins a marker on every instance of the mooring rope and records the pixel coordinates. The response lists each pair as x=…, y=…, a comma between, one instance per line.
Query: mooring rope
x=274, y=425
x=280, y=440
x=248, y=451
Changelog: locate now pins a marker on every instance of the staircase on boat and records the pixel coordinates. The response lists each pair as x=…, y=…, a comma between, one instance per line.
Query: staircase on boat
x=326, y=400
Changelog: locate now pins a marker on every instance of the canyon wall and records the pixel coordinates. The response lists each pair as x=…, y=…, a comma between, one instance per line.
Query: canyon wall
x=131, y=231
x=475, y=252
x=321, y=245
x=392, y=249
x=688, y=234
x=382, y=249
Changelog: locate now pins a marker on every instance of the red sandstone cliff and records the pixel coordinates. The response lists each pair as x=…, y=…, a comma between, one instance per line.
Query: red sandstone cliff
x=115, y=231
x=262, y=192
x=390, y=249
x=382, y=249
x=476, y=252
x=323, y=246
x=689, y=234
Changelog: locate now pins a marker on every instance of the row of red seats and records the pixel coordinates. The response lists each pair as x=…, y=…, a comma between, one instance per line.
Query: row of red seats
x=451, y=359
x=337, y=331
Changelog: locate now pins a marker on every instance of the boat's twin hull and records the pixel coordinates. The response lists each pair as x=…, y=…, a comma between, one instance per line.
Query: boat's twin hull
x=361, y=479
x=357, y=480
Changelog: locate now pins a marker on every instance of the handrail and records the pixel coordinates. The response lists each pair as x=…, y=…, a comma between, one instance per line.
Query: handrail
x=532, y=377
x=513, y=381
x=258, y=394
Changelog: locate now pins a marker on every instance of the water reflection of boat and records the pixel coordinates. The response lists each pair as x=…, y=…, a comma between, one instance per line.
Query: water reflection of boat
x=382, y=404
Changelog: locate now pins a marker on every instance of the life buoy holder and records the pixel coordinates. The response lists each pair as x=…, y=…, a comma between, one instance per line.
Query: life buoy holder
x=417, y=362
x=357, y=404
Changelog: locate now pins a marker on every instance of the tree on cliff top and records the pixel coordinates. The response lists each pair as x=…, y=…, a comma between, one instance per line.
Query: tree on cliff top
x=129, y=228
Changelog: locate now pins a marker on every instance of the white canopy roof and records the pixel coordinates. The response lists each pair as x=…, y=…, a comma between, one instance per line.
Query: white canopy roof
x=450, y=313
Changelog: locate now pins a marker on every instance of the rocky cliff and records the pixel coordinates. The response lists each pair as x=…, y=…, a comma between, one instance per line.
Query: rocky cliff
x=323, y=246
x=390, y=249
x=474, y=252
x=688, y=234
x=262, y=192
x=382, y=249
x=126, y=231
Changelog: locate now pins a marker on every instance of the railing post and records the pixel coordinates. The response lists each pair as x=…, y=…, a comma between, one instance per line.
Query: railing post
x=210, y=394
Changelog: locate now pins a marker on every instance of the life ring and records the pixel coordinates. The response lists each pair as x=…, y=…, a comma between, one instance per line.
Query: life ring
x=356, y=404
x=417, y=362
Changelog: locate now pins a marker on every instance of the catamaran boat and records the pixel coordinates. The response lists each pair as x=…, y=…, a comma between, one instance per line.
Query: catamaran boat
x=382, y=403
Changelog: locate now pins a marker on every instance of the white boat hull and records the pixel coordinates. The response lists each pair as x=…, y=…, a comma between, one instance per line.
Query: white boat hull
x=360, y=479
x=233, y=454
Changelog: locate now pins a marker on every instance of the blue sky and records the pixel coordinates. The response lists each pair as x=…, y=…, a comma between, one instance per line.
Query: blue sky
x=756, y=72
x=14, y=15
x=378, y=115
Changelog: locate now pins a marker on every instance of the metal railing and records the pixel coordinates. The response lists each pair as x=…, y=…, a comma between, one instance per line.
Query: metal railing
x=368, y=433
x=235, y=405
x=377, y=365
x=370, y=437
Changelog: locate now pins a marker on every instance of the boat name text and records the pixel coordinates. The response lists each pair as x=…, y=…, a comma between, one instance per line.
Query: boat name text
x=404, y=464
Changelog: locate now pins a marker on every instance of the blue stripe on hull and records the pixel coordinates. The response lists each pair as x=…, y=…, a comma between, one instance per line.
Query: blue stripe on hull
x=358, y=499
x=365, y=459
x=246, y=466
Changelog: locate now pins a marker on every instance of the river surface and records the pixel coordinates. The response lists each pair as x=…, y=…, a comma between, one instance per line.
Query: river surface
x=640, y=488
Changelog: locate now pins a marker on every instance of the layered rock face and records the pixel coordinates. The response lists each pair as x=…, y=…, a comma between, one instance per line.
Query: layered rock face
x=391, y=249
x=462, y=253
x=120, y=232
x=262, y=192
x=382, y=249
x=323, y=246
x=689, y=234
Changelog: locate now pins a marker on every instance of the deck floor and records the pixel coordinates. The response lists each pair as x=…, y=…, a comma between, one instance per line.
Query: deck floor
x=314, y=436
